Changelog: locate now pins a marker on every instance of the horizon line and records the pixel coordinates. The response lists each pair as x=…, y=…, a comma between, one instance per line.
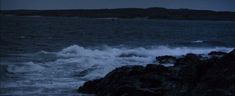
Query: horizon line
x=113, y=8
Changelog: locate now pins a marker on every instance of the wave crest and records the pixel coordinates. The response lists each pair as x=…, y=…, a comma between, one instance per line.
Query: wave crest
x=104, y=60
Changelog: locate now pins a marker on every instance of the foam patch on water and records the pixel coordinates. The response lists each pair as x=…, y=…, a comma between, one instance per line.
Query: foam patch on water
x=24, y=67
x=198, y=41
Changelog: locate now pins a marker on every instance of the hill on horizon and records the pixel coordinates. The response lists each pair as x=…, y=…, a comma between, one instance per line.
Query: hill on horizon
x=150, y=13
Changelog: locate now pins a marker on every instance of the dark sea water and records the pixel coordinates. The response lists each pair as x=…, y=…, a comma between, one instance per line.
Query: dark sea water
x=55, y=55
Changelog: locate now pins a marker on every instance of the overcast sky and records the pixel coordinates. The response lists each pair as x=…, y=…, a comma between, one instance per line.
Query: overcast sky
x=218, y=5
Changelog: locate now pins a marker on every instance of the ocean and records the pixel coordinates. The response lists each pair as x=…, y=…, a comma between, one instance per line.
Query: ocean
x=56, y=55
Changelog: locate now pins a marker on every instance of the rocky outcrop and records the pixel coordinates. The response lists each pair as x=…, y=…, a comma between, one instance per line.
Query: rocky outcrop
x=166, y=59
x=216, y=54
x=129, y=80
x=190, y=76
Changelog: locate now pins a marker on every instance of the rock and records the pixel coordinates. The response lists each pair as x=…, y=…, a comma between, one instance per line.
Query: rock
x=90, y=87
x=191, y=76
x=129, y=81
x=232, y=52
x=166, y=59
x=188, y=59
x=229, y=58
x=156, y=68
x=217, y=54
x=219, y=79
x=133, y=91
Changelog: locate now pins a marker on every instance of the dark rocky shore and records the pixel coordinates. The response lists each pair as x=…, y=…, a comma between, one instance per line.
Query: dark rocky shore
x=191, y=75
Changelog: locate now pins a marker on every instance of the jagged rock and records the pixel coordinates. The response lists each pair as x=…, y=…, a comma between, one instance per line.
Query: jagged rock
x=217, y=54
x=166, y=59
x=90, y=87
x=191, y=76
x=188, y=59
x=229, y=58
x=220, y=78
x=156, y=68
x=129, y=81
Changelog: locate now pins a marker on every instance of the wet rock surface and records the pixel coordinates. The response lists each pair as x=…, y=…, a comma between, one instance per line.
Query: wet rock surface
x=166, y=59
x=216, y=54
x=190, y=76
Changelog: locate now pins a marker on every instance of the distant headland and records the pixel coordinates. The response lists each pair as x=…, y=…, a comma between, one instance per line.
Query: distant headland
x=148, y=13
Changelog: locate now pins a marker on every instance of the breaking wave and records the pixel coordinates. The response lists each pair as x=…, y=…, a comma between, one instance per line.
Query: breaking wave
x=101, y=61
x=72, y=66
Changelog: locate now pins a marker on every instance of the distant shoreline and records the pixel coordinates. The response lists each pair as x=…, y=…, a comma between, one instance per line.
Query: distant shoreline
x=128, y=13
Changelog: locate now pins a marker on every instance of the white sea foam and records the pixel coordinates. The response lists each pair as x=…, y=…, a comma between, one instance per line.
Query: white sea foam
x=198, y=41
x=93, y=63
x=24, y=67
x=72, y=66
x=105, y=60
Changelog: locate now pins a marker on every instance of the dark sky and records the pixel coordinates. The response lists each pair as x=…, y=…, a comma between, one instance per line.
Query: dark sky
x=218, y=5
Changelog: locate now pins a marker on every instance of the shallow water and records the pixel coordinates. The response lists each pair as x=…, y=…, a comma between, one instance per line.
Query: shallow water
x=54, y=56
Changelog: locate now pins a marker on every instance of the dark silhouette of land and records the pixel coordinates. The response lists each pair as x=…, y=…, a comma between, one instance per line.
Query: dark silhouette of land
x=191, y=75
x=149, y=13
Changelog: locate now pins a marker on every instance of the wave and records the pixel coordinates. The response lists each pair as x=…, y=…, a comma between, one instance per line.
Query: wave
x=106, y=59
x=206, y=42
x=92, y=63
x=76, y=50
x=24, y=67
x=198, y=41
x=73, y=65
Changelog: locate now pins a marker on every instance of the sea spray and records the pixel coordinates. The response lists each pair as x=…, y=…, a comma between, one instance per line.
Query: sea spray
x=69, y=68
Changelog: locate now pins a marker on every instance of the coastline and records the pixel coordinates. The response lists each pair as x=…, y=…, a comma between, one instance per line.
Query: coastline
x=191, y=75
x=128, y=13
